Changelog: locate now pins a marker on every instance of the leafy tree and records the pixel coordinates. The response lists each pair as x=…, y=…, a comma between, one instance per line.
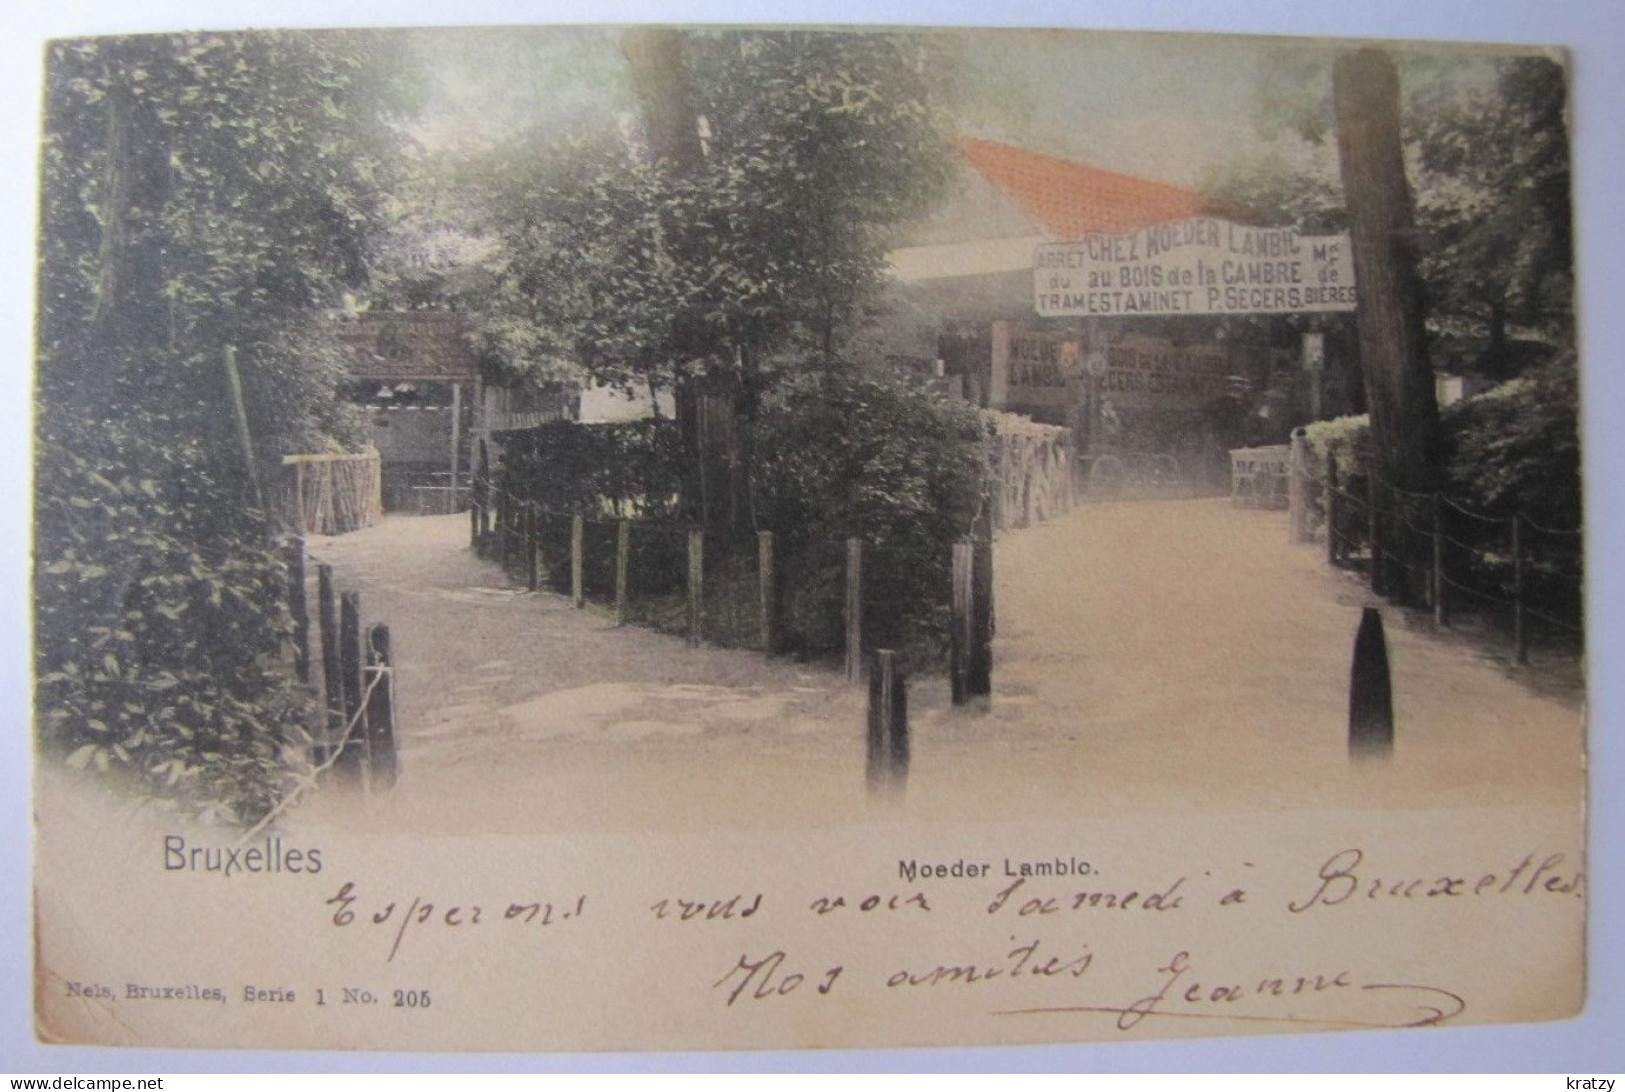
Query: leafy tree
x=698, y=256
x=199, y=191
x=1487, y=150
x=1494, y=205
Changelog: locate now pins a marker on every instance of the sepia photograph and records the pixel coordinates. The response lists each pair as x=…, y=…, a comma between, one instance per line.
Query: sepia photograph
x=741, y=537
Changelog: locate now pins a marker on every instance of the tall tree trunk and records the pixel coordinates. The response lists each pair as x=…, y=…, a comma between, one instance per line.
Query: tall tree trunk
x=130, y=312
x=665, y=93
x=721, y=465
x=1390, y=318
x=665, y=98
x=1497, y=362
x=1399, y=385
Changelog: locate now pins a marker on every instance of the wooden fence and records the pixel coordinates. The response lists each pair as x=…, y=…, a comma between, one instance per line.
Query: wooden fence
x=601, y=565
x=1030, y=470
x=356, y=679
x=1429, y=549
x=334, y=493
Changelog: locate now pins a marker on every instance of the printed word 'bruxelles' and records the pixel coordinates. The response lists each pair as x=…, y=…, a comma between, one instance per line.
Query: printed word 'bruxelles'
x=271, y=857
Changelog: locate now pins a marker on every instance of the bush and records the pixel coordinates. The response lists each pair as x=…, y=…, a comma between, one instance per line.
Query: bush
x=837, y=456
x=160, y=613
x=1517, y=448
x=850, y=455
x=632, y=468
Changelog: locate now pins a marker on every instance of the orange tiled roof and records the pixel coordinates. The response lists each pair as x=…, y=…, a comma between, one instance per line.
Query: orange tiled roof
x=1070, y=200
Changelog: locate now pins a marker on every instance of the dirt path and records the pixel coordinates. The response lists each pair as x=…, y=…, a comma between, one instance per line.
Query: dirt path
x=1182, y=653
x=1160, y=655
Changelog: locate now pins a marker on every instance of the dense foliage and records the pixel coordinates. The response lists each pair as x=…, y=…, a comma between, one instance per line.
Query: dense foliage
x=627, y=470
x=1512, y=451
x=703, y=272
x=199, y=192
x=815, y=147
x=848, y=454
x=1493, y=205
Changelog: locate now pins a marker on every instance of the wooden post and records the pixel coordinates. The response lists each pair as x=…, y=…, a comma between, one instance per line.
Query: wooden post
x=1441, y=616
x=623, y=564
x=302, y=521
x=1371, y=696
x=456, y=439
x=352, y=761
x=888, y=747
x=979, y=666
x=767, y=593
x=234, y=382
x=1520, y=640
x=961, y=632
x=998, y=385
x=381, y=709
x=854, y=610
x=327, y=620
x=533, y=548
x=485, y=488
x=504, y=511
x=696, y=587
x=474, y=524
x=299, y=607
x=1298, y=485
x=578, y=561
x=1331, y=509
x=1375, y=531
x=537, y=558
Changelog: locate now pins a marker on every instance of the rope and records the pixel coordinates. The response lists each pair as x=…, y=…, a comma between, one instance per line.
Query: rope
x=308, y=781
x=1474, y=591
x=1480, y=551
x=1469, y=513
x=1532, y=525
x=1570, y=626
x=1311, y=476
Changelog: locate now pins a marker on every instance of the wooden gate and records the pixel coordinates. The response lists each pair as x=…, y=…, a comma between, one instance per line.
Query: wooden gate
x=331, y=494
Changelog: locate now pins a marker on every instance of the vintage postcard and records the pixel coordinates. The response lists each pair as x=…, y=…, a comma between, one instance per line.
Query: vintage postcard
x=661, y=538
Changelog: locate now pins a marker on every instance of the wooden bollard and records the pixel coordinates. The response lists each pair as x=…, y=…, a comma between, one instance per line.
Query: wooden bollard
x=696, y=587
x=766, y=591
x=533, y=550
x=1520, y=637
x=961, y=631
x=623, y=566
x=1379, y=579
x=352, y=760
x=1298, y=486
x=384, y=765
x=299, y=607
x=474, y=523
x=503, y=528
x=854, y=610
x=888, y=751
x=578, y=561
x=484, y=488
x=1371, y=694
x=1441, y=615
x=327, y=621
x=1331, y=509
x=979, y=665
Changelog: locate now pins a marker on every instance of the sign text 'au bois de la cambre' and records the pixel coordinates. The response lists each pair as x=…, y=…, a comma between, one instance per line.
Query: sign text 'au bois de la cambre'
x=1201, y=266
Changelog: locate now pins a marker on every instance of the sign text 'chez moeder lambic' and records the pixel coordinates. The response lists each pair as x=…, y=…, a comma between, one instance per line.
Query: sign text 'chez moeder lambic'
x=1201, y=266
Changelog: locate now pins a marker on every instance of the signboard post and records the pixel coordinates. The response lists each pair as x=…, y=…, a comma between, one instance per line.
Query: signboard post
x=1199, y=266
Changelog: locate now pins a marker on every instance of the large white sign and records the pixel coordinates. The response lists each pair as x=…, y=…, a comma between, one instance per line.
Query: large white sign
x=1202, y=266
